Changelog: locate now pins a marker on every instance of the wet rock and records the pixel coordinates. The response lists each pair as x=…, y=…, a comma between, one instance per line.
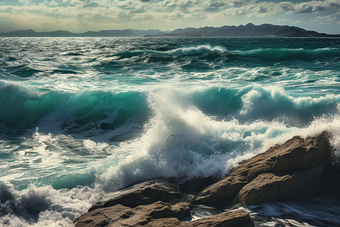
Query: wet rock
x=268, y=187
x=228, y=219
x=119, y=215
x=159, y=214
x=223, y=191
x=196, y=184
x=225, y=219
x=141, y=194
x=293, y=170
x=295, y=154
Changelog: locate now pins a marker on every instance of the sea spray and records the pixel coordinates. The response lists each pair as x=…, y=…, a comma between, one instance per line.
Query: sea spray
x=181, y=141
x=43, y=206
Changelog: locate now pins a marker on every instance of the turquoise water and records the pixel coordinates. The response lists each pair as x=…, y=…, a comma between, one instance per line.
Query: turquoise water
x=83, y=116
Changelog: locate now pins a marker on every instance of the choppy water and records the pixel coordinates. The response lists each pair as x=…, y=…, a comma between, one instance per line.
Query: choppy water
x=84, y=116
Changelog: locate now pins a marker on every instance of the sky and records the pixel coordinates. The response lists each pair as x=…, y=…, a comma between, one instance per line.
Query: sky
x=95, y=15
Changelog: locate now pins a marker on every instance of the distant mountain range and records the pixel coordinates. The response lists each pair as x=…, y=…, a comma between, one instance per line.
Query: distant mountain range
x=249, y=30
x=103, y=33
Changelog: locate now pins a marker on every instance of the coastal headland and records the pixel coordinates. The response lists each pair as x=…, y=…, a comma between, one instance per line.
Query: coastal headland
x=300, y=168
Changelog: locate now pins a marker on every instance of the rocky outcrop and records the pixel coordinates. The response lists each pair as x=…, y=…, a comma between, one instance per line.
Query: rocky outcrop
x=268, y=187
x=293, y=170
x=295, y=155
x=156, y=202
x=159, y=214
x=225, y=219
x=141, y=194
x=119, y=215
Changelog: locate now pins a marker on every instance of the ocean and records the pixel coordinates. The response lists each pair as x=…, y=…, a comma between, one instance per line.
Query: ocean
x=80, y=117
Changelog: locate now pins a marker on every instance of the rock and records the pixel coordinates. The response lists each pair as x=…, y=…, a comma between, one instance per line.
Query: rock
x=292, y=170
x=196, y=184
x=295, y=154
x=223, y=191
x=167, y=222
x=119, y=215
x=103, y=216
x=268, y=187
x=226, y=219
x=159, y=214
x=140, y=194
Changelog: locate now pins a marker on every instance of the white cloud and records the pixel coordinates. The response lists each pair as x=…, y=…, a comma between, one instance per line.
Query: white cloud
x=25, y=2
x=329, y=19
x=310, y=7
x=283, y=19
x=53, y=3
x=81, y=15
x=297, y=22
x=255, y=9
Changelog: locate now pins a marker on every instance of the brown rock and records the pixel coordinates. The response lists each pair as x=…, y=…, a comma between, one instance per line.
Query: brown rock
x=288, y=171
x=225, y=219
x=268, y=187
x=103, y=216
x=167, y=222
x=153, y=216
x=295, y=154
x=222, y=191
x=140, y=194
x=120, y=215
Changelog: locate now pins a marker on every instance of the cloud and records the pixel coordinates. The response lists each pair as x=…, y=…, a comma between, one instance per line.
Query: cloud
x=53, y=3
x=72, y=2
x=297, y=22
x=309, y=7
x=216, y=6
x=329, y=19
x=25, y=2
x=253, y=10
x=105, y=14
x=260, y=9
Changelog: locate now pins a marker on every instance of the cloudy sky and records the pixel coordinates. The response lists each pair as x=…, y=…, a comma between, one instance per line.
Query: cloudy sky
x=95, y=15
